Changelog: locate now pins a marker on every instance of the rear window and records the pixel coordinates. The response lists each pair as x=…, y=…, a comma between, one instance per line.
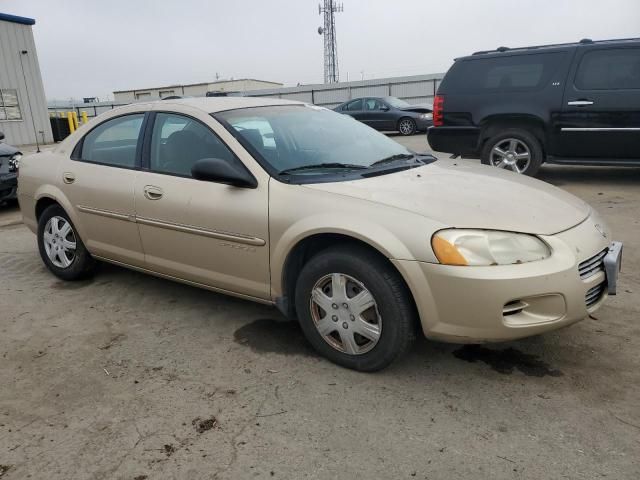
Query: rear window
x=355, y=105
x=611, y=69
x=513, y=73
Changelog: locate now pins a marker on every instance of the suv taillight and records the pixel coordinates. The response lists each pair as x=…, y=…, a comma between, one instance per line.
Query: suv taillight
x=438, y=111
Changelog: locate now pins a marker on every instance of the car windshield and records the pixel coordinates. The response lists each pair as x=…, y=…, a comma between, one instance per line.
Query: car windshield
x=309, y=140
x=396, y=102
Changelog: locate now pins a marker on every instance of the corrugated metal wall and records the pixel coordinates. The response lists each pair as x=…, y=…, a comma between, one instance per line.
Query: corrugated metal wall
x=413, y=89
x=14, y=38
x=194, y=90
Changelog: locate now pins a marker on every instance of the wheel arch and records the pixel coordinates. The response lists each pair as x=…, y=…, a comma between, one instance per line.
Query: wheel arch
x=305, y=248
x=43, y=203
x=494, y=124
x=48, y=195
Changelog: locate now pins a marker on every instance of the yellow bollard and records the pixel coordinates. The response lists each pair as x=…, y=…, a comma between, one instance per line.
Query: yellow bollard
x=72, y=125
x=61, y=114
x=75, y=119
x=85, y=120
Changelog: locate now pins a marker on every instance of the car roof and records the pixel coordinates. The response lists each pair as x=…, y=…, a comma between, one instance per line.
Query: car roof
x=550, y=48
x=220, y=104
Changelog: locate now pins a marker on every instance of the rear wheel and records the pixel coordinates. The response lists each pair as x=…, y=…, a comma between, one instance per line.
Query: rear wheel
x=514, y=149
x=406, y=126
x=60, y=247
x=354, y=308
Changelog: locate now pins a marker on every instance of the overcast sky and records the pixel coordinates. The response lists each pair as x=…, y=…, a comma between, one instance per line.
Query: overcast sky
x=93, y=47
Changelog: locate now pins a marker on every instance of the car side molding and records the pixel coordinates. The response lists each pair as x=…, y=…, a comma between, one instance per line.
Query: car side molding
x=232, y=237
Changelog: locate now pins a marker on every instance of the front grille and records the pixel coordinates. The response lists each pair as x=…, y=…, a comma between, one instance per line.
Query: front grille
x=592, y=265
x=594, y=294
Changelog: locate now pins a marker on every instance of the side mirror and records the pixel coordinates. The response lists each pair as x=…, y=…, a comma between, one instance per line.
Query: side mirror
x=223, y=171
x=384, y=108
x=1, y=136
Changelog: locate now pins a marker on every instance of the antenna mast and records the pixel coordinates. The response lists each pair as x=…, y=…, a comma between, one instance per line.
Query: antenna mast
x=329, y=9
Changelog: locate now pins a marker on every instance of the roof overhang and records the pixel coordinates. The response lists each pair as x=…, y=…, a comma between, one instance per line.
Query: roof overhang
x=16, y=19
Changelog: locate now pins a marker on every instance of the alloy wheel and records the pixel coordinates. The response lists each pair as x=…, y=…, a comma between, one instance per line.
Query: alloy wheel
x=59, y=242
x=511, y=153
x=406, y=127
x=345, y=314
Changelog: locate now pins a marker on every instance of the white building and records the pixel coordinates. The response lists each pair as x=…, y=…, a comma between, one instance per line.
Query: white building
x=23, y=107
x=193, y=89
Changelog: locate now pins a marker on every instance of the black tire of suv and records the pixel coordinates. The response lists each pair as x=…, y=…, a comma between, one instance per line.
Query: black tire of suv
x=394, y=303
x=83, y=264
x=533, y=144
x=413, y=126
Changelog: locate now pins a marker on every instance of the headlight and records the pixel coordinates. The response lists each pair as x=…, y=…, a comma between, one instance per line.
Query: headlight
x=14, y=162
x=427, y=116
x=487, y=247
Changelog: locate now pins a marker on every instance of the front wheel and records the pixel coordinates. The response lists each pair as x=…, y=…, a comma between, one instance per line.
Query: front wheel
x=514, y=149
x=354, y=308
x=61, y=248
x=406, y=126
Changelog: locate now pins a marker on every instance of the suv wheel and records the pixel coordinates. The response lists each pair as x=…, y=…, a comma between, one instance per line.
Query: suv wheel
x=60, y=247
x=406, y=126
x=354, y=308
x=514, y=149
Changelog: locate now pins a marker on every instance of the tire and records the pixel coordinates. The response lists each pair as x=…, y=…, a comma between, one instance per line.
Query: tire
x=392, y=312
x=53, y=222
x=524, y=143
x=407, y=126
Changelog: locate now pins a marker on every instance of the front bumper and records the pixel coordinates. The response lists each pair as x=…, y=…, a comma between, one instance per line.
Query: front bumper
x=8, y=186
x=499, y=303
x=423, y=124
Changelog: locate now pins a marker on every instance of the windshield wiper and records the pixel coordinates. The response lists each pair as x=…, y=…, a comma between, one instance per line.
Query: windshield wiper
x=393, y=158
x=321, y=165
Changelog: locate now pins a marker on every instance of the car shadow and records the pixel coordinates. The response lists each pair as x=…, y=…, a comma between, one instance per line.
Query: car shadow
x=560, y=175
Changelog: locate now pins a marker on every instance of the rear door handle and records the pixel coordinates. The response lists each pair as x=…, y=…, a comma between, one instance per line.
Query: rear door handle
x=580, y=103
x=68, y=177
x=153, y=193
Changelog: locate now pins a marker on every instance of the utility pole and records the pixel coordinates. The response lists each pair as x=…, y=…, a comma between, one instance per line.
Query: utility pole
x=26, y=87
x=330, y=8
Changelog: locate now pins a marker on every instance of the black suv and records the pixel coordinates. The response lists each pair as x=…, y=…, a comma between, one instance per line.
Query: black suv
x=517, y=108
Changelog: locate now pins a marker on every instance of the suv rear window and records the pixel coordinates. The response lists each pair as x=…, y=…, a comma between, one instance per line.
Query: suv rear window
x=512, y=73
x=610, y=69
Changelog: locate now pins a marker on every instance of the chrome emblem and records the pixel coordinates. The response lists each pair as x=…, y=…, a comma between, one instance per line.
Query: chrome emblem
x=600, y=229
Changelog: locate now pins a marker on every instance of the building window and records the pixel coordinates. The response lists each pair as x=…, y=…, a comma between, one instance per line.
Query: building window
x=9, y=105
x=166, y=93
x=140, y=96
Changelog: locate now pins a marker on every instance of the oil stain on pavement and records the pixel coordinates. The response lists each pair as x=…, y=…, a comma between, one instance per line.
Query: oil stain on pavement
x=506, y=361
x=272, y=336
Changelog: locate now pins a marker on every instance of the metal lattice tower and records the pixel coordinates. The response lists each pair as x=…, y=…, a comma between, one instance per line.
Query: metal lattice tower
x=330, y=8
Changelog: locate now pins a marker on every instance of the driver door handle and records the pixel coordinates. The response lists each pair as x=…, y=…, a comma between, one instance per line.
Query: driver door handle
x=580, y=103
x=153, y=193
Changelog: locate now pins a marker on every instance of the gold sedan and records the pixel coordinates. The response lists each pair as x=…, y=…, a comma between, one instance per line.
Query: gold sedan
x=289, y=204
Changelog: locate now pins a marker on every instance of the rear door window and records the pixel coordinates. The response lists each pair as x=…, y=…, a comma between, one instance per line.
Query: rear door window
x=610, y=69
x=510, y=73
x=113, y=142
x=356, y=105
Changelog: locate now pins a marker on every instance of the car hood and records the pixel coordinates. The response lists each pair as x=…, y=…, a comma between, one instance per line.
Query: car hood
x=7, y=150
x=463, y=195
